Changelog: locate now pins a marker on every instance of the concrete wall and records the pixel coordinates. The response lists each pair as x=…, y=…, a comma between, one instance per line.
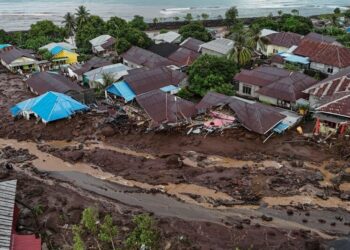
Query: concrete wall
x=323, y=68
x=205, y=51
x=253, y=88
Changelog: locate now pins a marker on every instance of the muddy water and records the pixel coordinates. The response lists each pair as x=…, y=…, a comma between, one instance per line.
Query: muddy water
x=94, y=180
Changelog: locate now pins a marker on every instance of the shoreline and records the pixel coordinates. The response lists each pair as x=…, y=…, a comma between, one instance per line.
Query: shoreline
x=210, y=23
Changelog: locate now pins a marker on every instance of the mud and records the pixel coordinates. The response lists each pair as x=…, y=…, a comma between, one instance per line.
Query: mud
x=206, y=192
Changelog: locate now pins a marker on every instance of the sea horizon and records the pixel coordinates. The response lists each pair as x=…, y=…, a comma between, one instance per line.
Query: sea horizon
x=20, y=14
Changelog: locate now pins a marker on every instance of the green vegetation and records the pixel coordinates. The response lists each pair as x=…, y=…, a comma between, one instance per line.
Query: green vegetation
x=195, y=30
x=108, y=231
x=188, y=17
x=138, y=22
x=231, y=16
x=144, y=234
x=212, y=73
x=78, y=243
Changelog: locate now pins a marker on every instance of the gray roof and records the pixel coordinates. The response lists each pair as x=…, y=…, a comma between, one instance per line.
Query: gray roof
x=220, y=45
x=7, y=204
x=64, y=45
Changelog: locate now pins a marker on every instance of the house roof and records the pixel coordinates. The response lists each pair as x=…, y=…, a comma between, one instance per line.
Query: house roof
x=143, y=80
x=294, y=58
x=284, y=39
x=117, y=70
x=168, y=37
x=192, y=44
x=57, y=49
x=102, y=40
x=64, y=45
x=266, y=32
x=43, y=82
x=145, y=58
x=289, y=88
x=122, y=89
x=324, y=53
x=335, y=84
x=93, y=63
x=7, y=205
x=50, y=106
x=340, y=106
x=10, y=54
x=261, y=76
x=212, y=99
x=183, y=57
x=256, y=117
x=315, y=37
x=219, y=45
x=163, y=49
x=24, y=242
x=163, y=107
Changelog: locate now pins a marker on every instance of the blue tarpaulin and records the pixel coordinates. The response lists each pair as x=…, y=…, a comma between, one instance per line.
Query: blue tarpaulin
x=122, y=89
x=4, y=45
x=169, y=88
x=55, y=50
x=280, y=128
x=348, y=30
x=294, y=58
x=50, y=106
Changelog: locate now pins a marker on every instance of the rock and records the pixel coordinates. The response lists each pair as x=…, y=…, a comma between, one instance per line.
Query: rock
x=107, y=131
x=345, y=177
x=74, y=155
x=304, y=220
x=4, y=172
x=297, y=164
x=266, y=218
x=345, y=196
x=312, y=245
x=321, y=221
x=290, y=212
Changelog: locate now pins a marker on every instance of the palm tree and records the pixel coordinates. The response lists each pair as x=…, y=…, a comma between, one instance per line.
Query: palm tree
x=205, y=16
x=82, y=15
x=108, y=79
x=295, y=12
x=69, y=23
x=280, y=12
x=241, y=52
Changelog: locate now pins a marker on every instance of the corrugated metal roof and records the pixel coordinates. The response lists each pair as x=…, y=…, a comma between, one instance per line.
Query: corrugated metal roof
x=7, y=205
x=121, y=89
x=284, y=39
x=212, y=99
x=340, y=107
x=168, y=37
x=98, y=41
x=220, y=45
x=192, y=44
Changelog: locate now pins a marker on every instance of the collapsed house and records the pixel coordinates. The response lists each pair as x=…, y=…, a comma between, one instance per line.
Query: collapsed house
x=9, y=215
x=42, y=82
x=163, y=108
x=140, y=81
x=48, y=107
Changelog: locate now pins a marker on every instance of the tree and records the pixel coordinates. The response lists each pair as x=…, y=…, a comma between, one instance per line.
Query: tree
x=82, y=15
x=205, y=16
x=78, y=243
x=176, y=18
x=241, y=53
x=211, y=73
x=138, y=23
x=337, y=11
x=188, y=17
x=35, y=43
x=295, y=12
x=45, y=54
x=69, y=23
x=108, y=231
x=108, y=79
x=280, y=12
x=144, y=234
x=195, y=30
x=47, y=29
x=4, y=37
x=116, y=26
x=347, y=13
x=231, y=16
x=122, y=45
x=155, y=21
x=137, y=37
x=89, y=221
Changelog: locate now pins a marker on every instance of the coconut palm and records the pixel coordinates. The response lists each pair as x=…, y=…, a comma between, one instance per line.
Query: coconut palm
x=82, y=15
x=69, y=23
x=241, y=52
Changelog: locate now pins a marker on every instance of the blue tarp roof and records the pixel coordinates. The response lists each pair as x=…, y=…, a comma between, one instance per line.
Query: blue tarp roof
x=168, y=88
x=348, y=30
x=122, y=89
x=50, y=106
x=280, y=128
x=57, y=49
x=4, y=45
x=294, y=58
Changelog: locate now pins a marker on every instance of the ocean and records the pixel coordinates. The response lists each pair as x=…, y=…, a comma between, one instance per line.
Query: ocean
x=20, y=14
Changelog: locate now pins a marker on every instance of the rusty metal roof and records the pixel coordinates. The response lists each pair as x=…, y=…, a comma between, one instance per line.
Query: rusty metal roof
x=43, y=82
x=162, y=107
x=256, y=117
x=284, y=39
x=192, y=44
x=212, y=99
x=184, y=57
x=340, y=106
x=143, y=80
x=9, y=54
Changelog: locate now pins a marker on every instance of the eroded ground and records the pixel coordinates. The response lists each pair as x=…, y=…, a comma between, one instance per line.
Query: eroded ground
x=219, y=191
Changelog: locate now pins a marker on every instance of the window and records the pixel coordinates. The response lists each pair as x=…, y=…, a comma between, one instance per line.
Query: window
x=330, y=70
x=275, y=51
x=247, y=90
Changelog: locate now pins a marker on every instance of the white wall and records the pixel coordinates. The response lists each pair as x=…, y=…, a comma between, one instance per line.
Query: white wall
x=253, y=88
x=323, y=68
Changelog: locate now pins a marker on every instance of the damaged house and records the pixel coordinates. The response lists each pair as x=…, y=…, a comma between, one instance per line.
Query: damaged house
x=103, y=45
x=77, y=70
x=163, y=108
x=18, y=60
x=277, y=42
x=274, y=86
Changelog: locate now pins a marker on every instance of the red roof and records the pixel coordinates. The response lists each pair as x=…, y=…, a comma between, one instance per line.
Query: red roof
x=284, y=39
x=335, y=84
x=25, y=242
x=324, y=53
x=341, y=107
x=184, y=57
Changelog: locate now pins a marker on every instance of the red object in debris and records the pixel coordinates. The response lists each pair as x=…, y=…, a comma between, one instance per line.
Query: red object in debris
x=25, y=242
x=317, y=127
